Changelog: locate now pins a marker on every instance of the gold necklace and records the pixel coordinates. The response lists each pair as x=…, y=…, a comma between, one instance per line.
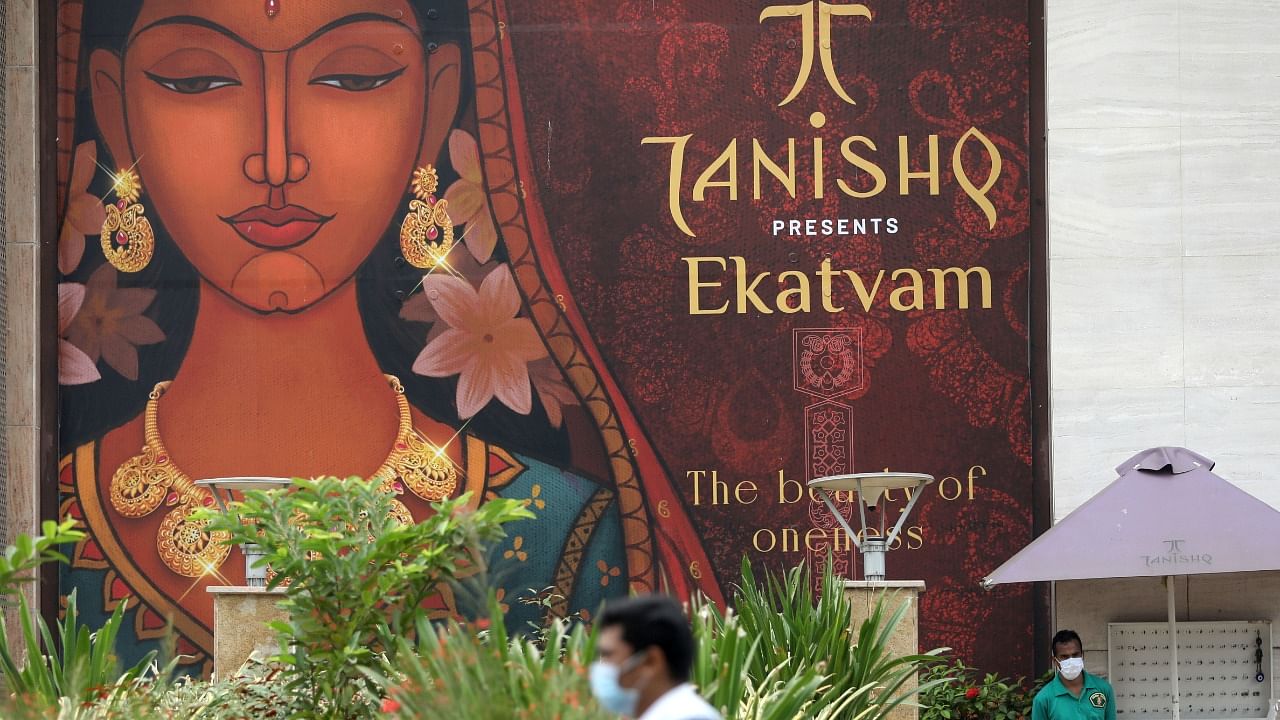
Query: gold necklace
x=151, y=478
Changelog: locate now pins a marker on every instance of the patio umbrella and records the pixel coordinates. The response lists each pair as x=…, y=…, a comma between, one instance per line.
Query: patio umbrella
x=1166, y=515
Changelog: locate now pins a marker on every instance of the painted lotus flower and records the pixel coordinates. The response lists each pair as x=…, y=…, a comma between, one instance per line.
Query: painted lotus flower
x=468, y=200
x=485, y=344
x=552, y=389
x=110, y=324
x=74, y=366
x=85, y=214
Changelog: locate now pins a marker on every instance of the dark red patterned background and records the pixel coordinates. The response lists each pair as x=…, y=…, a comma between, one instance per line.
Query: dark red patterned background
x=936, y=391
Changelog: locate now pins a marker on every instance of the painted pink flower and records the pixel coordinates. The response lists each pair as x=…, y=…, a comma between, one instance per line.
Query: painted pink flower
x=85, y=214
x=552, y=389
x=468, y=200
x=111, y=325
x=74, y=366
x=458, y=263
x=485, y=344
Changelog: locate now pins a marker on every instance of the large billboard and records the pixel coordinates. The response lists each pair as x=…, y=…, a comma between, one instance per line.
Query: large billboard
x=649, y=265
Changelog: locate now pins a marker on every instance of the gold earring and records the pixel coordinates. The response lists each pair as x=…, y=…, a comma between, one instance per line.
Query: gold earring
x=127, y=238
x=426, y=235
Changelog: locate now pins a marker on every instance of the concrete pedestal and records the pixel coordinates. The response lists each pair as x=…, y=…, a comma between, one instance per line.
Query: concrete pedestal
x=905, y=639
x=240, y=619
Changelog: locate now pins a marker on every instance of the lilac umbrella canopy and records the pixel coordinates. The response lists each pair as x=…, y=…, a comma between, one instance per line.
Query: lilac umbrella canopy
x=1167, y=514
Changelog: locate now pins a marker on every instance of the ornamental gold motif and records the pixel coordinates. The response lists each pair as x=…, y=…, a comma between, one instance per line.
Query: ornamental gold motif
x=128, y=242
x=140, y=484
x=187, y=547
x=151, y=478
x=426, y=470
x=426, y=235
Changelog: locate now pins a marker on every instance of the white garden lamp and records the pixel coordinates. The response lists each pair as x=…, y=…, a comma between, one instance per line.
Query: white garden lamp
x=222, y=489
x=871, y=488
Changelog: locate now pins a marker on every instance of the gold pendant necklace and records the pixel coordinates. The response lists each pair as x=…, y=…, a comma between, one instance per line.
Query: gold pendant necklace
x=151, y=478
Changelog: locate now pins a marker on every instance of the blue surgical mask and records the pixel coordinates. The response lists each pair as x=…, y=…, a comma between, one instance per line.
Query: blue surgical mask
x=606, y=688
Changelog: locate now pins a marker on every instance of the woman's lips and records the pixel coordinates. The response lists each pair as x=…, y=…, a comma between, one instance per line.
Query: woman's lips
x=277, y=228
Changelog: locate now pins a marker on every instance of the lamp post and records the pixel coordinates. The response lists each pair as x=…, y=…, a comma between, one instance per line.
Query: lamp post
x=871, y=488
x=253, y=576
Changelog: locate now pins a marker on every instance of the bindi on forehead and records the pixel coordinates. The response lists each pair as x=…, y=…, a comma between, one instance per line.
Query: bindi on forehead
x=275, y=25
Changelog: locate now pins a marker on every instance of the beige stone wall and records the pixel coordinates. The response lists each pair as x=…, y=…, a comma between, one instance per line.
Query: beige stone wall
x=1164, y=236
x=21, y=250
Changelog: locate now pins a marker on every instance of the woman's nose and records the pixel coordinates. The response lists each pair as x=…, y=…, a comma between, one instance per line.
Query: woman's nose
x=294, y=168
x=275, y=165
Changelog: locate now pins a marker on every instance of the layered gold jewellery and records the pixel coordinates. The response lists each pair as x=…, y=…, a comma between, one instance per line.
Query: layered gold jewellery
x=151, y=478
x=128, y=242
x=426, y=235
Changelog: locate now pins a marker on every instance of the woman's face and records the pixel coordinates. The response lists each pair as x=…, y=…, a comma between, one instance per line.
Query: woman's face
x=276, y=150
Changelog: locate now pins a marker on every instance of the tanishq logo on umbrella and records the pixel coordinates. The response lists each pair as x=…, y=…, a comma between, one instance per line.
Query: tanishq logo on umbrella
x=1174, y=555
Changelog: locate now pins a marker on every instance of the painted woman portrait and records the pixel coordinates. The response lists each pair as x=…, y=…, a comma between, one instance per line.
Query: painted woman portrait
x=299, y=237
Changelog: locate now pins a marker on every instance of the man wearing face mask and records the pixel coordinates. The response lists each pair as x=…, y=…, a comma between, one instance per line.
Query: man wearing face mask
x=645, y=651
x=1073, y=694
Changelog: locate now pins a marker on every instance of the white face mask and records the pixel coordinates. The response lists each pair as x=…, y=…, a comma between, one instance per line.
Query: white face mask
x=1071, y=668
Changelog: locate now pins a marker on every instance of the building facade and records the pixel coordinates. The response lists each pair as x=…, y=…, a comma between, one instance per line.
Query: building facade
x=1154, y=252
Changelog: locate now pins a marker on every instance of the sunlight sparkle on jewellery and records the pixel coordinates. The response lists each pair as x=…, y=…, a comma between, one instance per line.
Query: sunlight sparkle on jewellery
x=127, y=185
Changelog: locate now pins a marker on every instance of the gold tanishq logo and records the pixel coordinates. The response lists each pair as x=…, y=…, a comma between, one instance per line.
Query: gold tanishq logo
x=810, y=14
x=865, y=167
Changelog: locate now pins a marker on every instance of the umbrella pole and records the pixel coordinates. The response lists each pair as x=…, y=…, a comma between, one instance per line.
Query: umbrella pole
x=1173, y=648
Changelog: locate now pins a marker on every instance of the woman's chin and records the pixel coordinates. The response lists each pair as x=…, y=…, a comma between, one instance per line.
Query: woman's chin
x=278, y=282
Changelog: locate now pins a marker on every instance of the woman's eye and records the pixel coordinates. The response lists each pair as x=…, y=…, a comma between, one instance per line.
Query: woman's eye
x=352, y=82
x=194, y=84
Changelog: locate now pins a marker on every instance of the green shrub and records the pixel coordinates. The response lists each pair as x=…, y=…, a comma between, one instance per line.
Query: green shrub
x=81, y=665
x=462, y=671
x=960, y=693
x=355, y=578
x=783, y=654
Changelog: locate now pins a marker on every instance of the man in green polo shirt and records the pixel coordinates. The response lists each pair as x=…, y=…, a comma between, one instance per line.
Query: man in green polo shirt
x=1073, y=694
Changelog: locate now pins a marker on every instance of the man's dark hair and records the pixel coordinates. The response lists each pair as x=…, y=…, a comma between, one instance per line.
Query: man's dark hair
x=654, y=621
x=1063, y=637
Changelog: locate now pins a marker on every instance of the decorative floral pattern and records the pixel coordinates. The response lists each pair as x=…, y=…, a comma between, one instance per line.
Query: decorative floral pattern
x=517, y=550
x=110, y=324
x=607, y=572
x=485, y=344
x=467, y=198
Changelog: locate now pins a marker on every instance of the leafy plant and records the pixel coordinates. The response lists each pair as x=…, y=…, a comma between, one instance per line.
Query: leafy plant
x=791, y=626
x=355, y=577
x=79, y=666
x=462, y=671
x=961, y=695
x=725, y=651
x=28, y=553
